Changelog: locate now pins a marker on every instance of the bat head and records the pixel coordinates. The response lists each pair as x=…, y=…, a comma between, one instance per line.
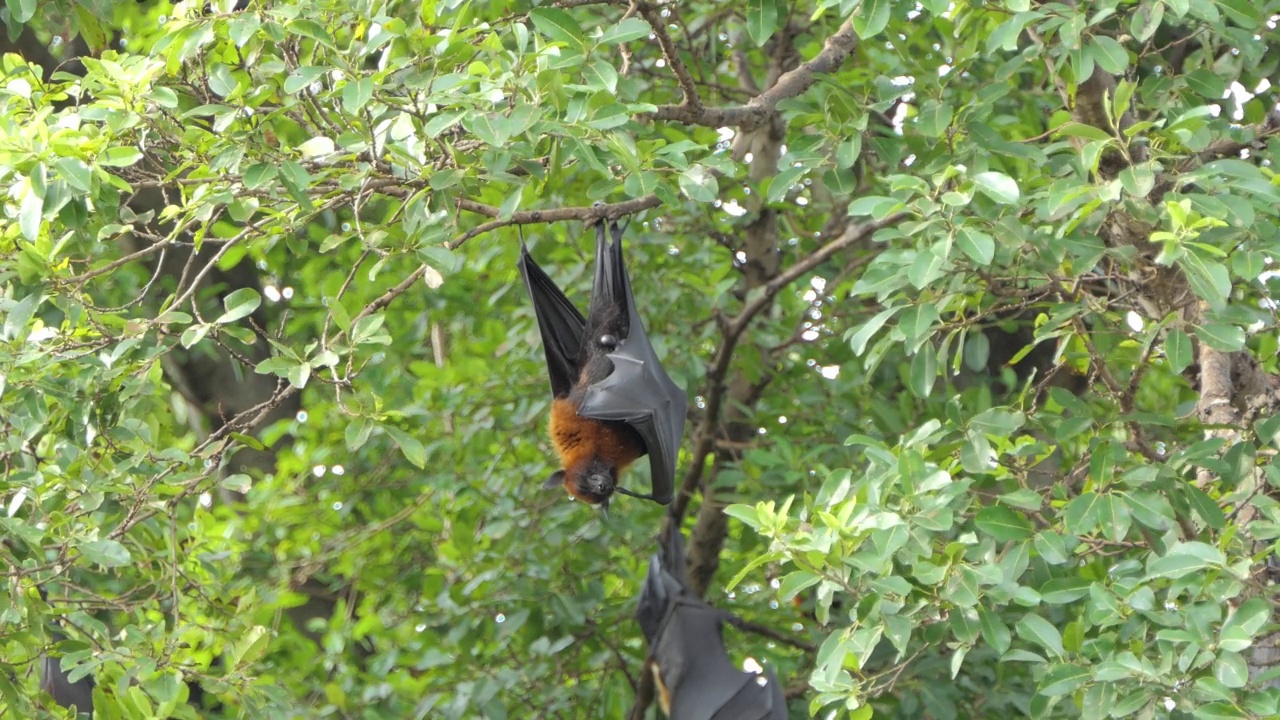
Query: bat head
x=592, y=482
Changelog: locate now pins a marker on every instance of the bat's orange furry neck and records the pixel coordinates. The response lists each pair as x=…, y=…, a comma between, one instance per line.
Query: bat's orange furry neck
x=581, y=441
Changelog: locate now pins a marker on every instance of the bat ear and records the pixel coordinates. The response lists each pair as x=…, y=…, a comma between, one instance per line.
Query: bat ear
x=556, y=479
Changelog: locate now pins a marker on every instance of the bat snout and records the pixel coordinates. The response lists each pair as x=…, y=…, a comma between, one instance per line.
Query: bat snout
x=594, y=483
x=598, y=484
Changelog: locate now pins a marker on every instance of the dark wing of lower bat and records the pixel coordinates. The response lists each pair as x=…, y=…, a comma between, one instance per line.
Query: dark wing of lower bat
x=663, y=585
x=694, y=664
x=559, y=322
x=57, y=683
x=638, y=391
x=760, y=699
x=687, y=646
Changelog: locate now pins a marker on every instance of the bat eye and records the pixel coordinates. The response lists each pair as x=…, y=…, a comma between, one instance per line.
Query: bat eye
x=609, y=342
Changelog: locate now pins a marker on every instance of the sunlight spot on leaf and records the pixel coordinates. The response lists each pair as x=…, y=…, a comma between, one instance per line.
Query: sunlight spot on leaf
x=15, y=504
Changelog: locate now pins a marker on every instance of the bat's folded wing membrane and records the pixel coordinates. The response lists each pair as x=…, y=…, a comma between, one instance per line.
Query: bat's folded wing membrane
x=760, y=698
x=559, y=322
x=694, y=664
x=638, y=391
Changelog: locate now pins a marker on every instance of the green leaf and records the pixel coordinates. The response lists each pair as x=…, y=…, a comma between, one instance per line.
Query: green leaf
x=1231, y=670
x=413, y=450
x=796, y=582
x=259, y=174
x=1063, y=679
x=1250, y=617
x=934, y=118
x=917, y=322
x=994, y=631
x=699, y=185
x=997, y=186
x=859, y=338
x=762, y=20
x=998, y=421
x=319, y=146
x=194, y=334
x=1138, y=180
x=600, y=75
x=871, y=18
x=875, y=206
x=1081, y=514
x=442, y=121
x=924, y=371
x=978, y=245
x=1227, y=338
x=21, y=11
x=1209, y=279
x=1150, y=509
x=557, y=25
x=1205, y=507
x=632, y=28
x=238, y=482
x=1205, y=83
x=1177, y=350
x=1184, y=559
x=249, y=648
x=975, y=455
x=1062, y=591
x=928, y=265
x=1039, y=631
x=781, y=183
x=1003, y=524
x=120, y=157
x=1109, y=54
x=107, y=553
x=239, y=304
x=31, y=215
x=355, y=95
x=1146, y=20
x=747, y=514
x=221, y=82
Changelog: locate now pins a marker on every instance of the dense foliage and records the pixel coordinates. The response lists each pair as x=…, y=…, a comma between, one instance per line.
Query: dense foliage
x=973, y=302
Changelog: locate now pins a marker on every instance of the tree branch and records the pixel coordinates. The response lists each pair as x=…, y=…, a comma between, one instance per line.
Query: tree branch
x=747, y=117
x=734, y=329
x=692, y=101
x=533, y=217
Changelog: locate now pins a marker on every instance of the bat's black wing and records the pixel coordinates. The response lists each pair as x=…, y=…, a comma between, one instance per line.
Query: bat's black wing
x=693, y=662
x=663, y=585
x=638, y=391
x=760, y=698
x=559, y=322
x=58, y=684
x=687, y=646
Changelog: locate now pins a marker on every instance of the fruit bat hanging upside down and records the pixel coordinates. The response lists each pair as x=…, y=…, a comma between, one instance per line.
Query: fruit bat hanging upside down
x=612, y=401
x=693, y=676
